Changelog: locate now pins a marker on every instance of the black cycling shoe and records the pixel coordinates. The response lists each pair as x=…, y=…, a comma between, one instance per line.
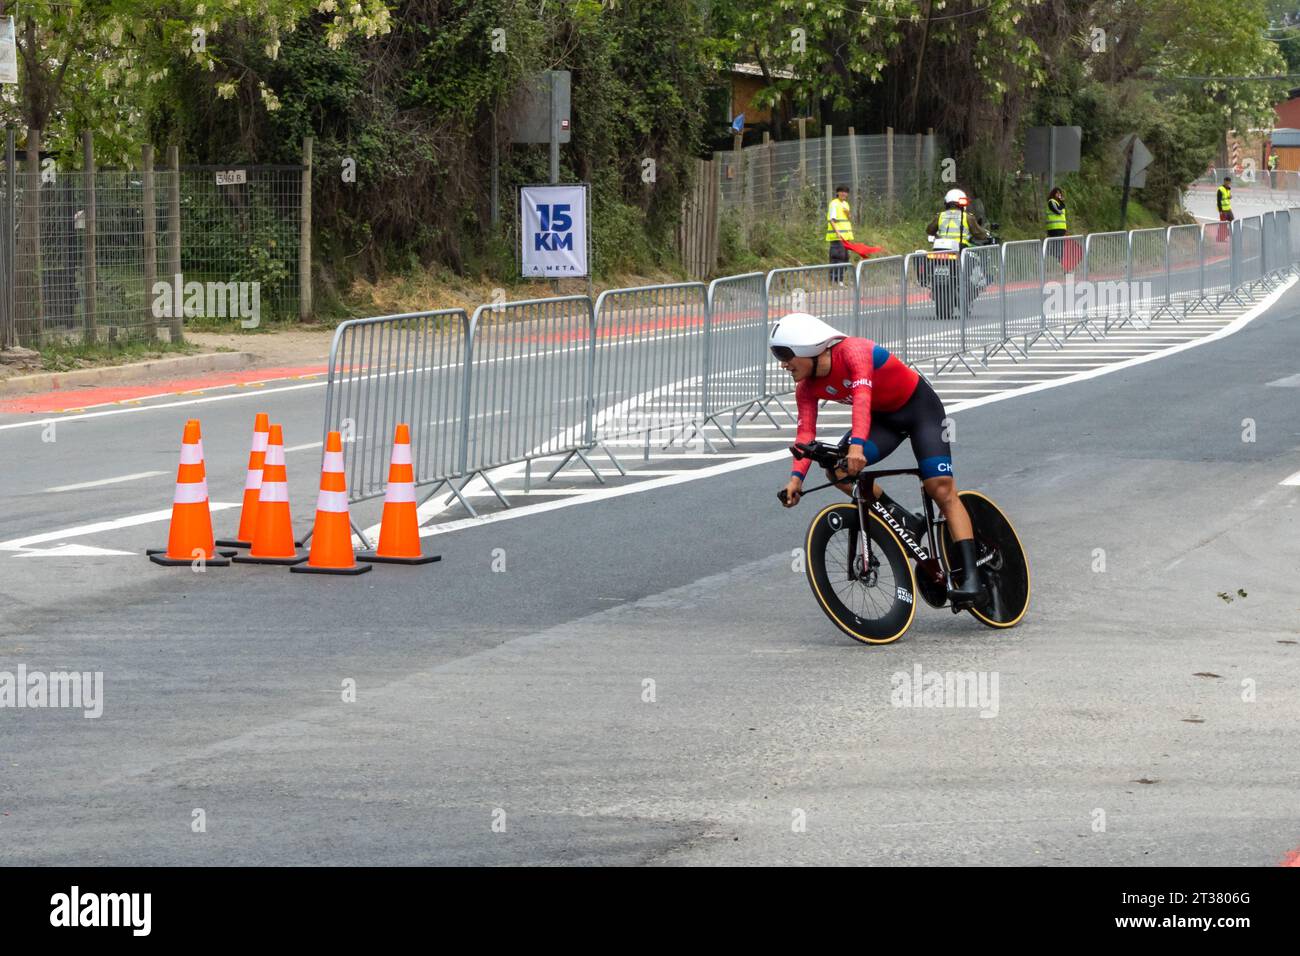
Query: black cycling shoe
x=965, y=587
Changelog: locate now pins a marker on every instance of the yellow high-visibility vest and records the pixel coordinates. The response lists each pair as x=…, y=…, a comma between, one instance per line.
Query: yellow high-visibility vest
x=954, y=227
x=837, y=215
x=1225, y=199
x=1055, y=215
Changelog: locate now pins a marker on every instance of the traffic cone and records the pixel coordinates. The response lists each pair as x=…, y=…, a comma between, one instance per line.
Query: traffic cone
x=399, y=529
x=191, y=524
x=331, y=537
x=273, y=530
x=252, y=485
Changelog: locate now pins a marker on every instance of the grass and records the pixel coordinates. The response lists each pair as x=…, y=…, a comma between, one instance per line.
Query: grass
x=67, y=356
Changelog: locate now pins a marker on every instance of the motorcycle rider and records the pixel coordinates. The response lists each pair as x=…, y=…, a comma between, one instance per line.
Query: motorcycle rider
x=954, y=228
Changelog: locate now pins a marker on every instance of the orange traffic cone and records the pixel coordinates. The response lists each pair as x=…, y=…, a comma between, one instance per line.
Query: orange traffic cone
x=190, y=535
x=331, y=536
x=273, y=531
x=399, y=529
x=252, y=485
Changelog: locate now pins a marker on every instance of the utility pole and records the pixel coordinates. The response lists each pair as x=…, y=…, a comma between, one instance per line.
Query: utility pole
x=1128, y=177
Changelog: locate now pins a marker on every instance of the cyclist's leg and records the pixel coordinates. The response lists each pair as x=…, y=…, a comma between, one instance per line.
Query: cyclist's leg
x=925, y=421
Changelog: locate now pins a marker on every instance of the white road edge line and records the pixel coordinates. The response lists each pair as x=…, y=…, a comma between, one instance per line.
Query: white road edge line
x=1293, y=481
x=106, y=481
x=751, y=461
x=23, y=544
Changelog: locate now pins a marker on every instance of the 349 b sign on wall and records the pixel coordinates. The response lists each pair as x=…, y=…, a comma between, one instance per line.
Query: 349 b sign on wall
x=553, y=231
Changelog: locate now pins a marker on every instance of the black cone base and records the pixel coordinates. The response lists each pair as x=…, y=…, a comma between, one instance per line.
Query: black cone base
x=159, y=556
x=380, y=559
x=308, y=569
x=249, y=559
x=233, y=543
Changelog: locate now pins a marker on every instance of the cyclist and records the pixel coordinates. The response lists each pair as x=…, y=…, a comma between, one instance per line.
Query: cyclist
x=890, y=402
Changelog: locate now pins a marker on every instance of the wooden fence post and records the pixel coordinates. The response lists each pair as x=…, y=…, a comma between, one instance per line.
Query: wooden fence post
x=174, y=236
x=889, y=166
x=304, y=234
x=855, y=216
x=149, y=209
x=88, y=221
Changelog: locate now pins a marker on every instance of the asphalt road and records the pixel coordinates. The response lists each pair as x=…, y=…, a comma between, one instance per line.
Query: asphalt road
x=647, y=680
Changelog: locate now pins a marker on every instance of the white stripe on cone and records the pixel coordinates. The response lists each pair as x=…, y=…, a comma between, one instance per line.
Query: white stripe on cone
x=400, y=491
x=254, y=479
x=333, y=462
x=401, y=454
x=274, y=491
x=192, y=454
x=259, y=441
x=274, y=455
x=191, y=493
x=332, y=501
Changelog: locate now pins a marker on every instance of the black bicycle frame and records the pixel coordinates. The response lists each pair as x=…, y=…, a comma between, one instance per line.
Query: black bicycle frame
x=862, y=491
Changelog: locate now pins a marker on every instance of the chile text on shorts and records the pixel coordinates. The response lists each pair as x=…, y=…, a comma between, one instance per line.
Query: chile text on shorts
x=923, y=688
x=36, y=689
x=76, y=908
x=208, y=300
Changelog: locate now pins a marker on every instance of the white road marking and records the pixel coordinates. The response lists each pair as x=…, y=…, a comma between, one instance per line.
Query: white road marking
x=107, y=481
x=1293, y=480
x=312, y=444
x=130, y=521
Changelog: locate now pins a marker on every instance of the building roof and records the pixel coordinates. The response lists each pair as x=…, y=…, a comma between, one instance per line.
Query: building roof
x=1286, y=137
x=753, y=69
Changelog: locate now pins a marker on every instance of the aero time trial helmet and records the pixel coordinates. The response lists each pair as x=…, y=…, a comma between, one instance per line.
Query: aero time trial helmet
x=803, y=335
x=956, y=196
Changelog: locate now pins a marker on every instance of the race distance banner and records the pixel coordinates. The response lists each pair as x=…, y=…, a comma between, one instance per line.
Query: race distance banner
x=553, y=231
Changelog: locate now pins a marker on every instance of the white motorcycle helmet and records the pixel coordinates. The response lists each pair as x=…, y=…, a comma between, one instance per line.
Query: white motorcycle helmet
x=803, y=335
x=956, y=196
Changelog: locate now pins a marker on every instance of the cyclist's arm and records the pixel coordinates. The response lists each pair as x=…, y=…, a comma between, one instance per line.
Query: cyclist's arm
x=859, y=366
x=933, y=228
x=807, y=429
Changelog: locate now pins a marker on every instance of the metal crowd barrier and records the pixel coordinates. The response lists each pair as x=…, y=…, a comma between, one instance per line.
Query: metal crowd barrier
x=556, y=378
x=412, y=369
x=529, y=392
x=650, y=363
x=735, y=347
x=882, y=286
x=1024, y=265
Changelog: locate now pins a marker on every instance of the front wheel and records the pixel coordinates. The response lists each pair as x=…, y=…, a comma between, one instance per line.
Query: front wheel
x=1003, y=565
x=871, y=597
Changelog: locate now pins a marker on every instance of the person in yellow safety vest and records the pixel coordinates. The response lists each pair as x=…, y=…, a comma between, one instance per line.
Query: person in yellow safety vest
x=1056, y=225
x=1272, y=170
x=1224, y=199
x=953, y=228
x=839, y=226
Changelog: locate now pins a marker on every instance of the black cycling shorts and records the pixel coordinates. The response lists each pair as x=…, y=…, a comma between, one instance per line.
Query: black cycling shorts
x=921, y=419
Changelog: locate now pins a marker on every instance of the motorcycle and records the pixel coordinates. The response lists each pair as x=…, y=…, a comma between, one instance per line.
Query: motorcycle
x=939, y=271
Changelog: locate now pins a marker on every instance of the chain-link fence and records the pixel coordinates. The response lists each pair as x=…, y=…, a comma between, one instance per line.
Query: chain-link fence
x=773, y=177
x=131, y=255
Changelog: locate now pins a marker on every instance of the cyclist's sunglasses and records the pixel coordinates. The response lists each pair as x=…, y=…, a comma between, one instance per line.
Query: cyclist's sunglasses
x=783, y=352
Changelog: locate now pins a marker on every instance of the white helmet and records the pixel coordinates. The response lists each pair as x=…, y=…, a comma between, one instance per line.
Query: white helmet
x=957, y=196
x=804, y=335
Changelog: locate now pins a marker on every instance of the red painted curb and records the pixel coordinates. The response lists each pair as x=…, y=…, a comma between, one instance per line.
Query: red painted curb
x=66, y=400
